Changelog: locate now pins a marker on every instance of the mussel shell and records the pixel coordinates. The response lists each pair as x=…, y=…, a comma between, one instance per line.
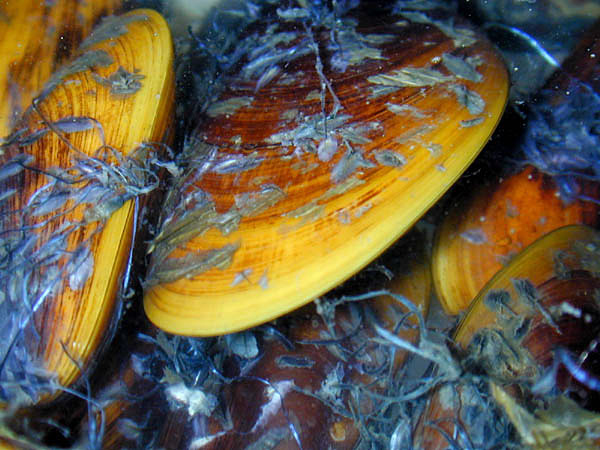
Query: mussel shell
x=543, y=303
x=28, y=60
x=581, y=63
x=501, y=218
x=557, y=184
x=279, y=205
x=335, y=376
x=559, y=254
x=74, y=167
x=555, y=25
x=545, y=298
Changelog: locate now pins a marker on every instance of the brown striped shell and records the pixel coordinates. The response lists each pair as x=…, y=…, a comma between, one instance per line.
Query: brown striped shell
x=324, y=142
x=35, y=39
x=558, y=185
x=321, y=372
x=69, y=175
x=531, y=339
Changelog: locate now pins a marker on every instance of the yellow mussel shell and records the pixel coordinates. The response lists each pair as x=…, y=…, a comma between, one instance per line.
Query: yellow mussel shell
x=72, y=168
x=538, y=307
x=36, y=38
x=279, y=205
x=494, y=224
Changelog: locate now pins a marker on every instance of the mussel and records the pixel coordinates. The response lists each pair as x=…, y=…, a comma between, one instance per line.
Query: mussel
x=71, y=172
x=484, y=232
x=529, y=346
x=319, y=377
x=328, y=133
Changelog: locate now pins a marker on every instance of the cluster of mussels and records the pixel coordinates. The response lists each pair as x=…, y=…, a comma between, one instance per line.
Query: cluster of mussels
x=218, y=241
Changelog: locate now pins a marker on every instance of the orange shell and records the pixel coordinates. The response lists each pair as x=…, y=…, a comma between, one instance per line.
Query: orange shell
x=544, y=300
x=36, y=37
x=77, y=251
x=278, y=206
x=498, y=221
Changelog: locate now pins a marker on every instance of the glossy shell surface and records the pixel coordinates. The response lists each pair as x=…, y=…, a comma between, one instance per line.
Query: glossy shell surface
x=531, y=338
x=70, y=173
x=314, y=156
x=28, y=60
x=483, y=233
